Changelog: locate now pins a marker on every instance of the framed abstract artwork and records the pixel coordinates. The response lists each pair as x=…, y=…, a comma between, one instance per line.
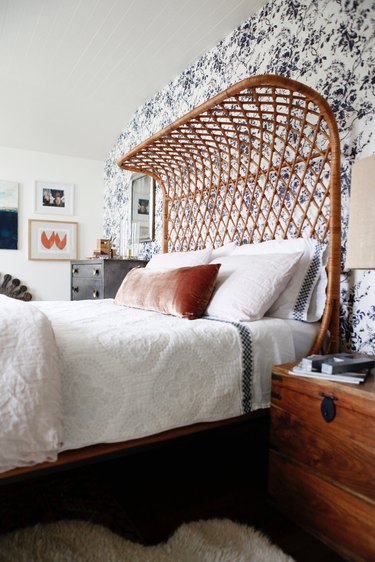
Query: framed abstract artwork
x=54, y=198
x=53, y=240
x=8, y=215
x=142, y=206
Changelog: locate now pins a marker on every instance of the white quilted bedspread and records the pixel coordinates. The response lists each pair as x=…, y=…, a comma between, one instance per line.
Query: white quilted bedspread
x=128, y=373
x=30, y=398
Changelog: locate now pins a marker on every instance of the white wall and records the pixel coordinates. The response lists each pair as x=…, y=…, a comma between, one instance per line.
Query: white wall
x=50, y=280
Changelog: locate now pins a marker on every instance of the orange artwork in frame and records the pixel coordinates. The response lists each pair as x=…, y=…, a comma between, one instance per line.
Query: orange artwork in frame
x=53, y=240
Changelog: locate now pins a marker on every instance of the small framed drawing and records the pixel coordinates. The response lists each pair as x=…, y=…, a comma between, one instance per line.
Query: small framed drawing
x=54, y=198
x=142, y=206
x=53, y=240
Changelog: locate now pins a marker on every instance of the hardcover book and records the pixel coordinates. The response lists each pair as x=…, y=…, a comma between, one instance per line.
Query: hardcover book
x=339, y=367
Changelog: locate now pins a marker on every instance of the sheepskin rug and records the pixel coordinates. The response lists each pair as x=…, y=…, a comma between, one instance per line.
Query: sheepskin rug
x=78, y=541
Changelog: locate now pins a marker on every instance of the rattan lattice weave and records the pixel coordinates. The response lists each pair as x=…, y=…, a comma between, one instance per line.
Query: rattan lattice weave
x=258, y=161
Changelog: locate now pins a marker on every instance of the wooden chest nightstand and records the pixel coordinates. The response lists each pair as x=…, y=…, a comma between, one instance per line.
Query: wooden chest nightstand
x=99, y=279
x=322, y=474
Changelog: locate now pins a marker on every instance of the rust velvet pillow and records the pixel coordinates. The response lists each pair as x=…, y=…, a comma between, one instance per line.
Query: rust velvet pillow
x=183, y=292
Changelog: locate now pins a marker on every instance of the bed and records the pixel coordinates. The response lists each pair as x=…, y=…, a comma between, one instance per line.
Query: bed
x=253, y=168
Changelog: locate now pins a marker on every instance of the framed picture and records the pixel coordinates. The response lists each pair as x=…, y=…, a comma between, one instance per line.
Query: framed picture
x=54, y=198
x=142, y=206
x=8, y=215
x=53, y=240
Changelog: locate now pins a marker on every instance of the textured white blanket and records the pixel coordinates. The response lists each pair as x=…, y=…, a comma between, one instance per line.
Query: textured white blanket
x=107, y=373
x=128, y=373
x=30, y=395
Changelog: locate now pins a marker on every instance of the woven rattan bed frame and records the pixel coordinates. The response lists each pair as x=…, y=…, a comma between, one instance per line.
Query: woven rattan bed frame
x=258, y=161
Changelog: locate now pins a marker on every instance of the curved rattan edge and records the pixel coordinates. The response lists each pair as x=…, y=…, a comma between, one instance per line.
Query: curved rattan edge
x=328, y=336
x=254, y=81
x=331, y=316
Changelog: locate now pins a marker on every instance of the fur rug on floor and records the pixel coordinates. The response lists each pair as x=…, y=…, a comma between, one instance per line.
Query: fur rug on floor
x=78, y=541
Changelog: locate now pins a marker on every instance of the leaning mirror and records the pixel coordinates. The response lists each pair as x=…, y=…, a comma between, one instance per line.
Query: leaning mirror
x=142, y=206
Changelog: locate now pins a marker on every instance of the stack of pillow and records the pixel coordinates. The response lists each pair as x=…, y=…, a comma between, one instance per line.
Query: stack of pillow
x=279, y=278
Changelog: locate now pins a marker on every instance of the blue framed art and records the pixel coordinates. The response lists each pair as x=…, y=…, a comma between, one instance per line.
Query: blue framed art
x=8, y=215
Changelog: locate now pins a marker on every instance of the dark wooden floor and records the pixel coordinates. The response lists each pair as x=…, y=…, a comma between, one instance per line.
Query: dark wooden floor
x=146, y=496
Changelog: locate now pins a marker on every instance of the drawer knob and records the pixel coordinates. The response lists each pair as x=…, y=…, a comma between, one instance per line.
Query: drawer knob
x=75, y=289
x=95, y=271
x=328, y=408
x=95, y=294
x=75, y=270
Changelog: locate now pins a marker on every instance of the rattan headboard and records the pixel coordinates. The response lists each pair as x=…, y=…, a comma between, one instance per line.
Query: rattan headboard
x=259, y=161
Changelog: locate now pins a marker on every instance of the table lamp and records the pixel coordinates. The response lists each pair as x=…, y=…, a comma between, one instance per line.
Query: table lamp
x=361, y=232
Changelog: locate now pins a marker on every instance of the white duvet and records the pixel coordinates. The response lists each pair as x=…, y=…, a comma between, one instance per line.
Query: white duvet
x=128, y=373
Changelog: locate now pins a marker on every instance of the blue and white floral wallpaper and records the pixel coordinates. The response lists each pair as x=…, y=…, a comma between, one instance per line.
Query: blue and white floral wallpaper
x=328, y=45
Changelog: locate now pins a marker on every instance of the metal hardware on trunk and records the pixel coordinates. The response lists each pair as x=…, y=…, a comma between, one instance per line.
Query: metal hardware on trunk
x=328, y=407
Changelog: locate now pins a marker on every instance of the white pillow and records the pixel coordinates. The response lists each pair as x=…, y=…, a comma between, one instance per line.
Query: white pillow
x=174, y=260
x=247, y=286
x=225, y=250
x=304, y=296
x=318, y=296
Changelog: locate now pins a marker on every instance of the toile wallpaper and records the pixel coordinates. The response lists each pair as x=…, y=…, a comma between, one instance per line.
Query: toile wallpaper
x=327, y=44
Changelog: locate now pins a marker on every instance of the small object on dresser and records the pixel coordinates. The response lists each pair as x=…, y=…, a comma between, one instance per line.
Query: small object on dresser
x=339, y=367
x=103, y=247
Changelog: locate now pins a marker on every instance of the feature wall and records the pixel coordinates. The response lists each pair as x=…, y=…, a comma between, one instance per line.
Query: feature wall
x=328, y=45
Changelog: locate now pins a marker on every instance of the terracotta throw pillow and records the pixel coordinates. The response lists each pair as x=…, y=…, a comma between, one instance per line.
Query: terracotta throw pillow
x=183, y=292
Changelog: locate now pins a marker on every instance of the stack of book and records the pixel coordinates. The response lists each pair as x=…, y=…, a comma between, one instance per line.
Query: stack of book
x=339, y=367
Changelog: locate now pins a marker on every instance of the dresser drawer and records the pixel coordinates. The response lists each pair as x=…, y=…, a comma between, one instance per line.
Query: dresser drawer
x=83, y=289
x=343, y=521
x=87, y=270
x=100, y=279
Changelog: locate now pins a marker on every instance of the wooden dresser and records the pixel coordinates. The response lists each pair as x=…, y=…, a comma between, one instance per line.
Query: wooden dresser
x=322, y=473
x=99, y=279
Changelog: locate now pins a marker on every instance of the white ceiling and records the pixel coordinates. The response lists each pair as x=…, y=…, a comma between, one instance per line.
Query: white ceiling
x=72, y=72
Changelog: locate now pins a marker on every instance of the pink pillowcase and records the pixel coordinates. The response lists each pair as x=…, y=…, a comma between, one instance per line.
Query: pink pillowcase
x=183, y=292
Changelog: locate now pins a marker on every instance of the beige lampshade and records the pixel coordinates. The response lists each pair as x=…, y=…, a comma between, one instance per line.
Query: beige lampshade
x=361, y=232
